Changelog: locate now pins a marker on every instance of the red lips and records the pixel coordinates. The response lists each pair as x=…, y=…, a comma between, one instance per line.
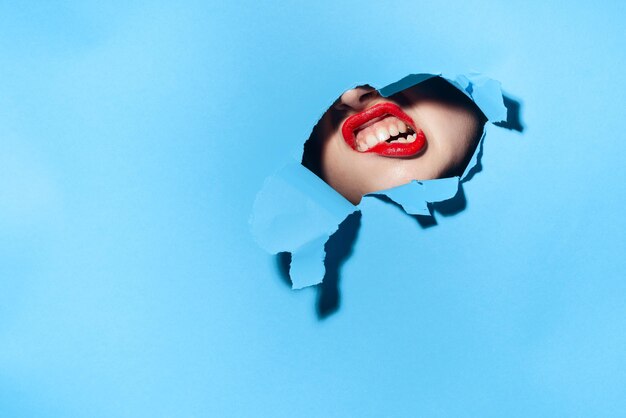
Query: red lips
x=383, y=148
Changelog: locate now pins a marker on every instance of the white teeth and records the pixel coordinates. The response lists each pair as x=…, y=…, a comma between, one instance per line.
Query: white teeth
x=371, y=140
x=382, y=134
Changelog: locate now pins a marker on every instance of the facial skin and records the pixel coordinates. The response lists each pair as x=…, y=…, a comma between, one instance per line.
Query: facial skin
x=451, y=123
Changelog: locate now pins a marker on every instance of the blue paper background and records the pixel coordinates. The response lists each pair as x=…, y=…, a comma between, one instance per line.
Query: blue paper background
x=133, y=139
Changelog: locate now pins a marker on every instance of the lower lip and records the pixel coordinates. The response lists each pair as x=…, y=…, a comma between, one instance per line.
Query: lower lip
x=385, y=149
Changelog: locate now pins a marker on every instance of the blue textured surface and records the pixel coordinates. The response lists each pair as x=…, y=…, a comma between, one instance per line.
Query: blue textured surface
x=133, y=139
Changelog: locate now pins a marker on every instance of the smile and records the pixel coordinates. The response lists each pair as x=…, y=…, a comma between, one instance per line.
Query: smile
x=383, y=129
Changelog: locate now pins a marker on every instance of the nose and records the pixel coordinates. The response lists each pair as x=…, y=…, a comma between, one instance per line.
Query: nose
x=357, y=98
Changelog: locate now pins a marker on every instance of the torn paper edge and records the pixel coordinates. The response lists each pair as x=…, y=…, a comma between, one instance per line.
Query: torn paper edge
x=296, y=211
x=414, y=196
x=317, y=201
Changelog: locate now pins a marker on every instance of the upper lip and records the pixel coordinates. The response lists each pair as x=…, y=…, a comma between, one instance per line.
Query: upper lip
x=361, y=119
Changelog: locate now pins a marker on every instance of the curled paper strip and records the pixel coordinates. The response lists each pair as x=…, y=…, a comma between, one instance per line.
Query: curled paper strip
x=297, y=212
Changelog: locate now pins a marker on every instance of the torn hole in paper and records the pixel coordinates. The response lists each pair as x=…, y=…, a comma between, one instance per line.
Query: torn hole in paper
x=413, y=142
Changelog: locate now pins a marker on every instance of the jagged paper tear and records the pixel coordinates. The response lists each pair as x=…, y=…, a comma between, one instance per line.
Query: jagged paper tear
x=415, y=196
x=297, y=212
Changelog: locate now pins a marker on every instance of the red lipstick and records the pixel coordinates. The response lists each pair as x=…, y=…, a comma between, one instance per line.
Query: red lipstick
x=394, y=149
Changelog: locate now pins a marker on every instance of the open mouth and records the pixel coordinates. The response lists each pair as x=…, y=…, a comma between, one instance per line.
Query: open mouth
x=383, y=129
